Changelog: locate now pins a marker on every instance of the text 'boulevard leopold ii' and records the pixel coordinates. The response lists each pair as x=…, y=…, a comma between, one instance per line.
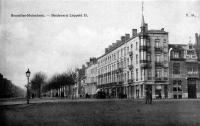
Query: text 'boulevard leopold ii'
x=70, y=15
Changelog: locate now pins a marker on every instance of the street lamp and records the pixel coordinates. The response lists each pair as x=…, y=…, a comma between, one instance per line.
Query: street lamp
x=28, y=73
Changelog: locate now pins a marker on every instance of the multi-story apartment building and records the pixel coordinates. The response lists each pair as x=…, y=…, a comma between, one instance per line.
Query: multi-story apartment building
x=91, y=77
x=136, y=63
x=184, y=71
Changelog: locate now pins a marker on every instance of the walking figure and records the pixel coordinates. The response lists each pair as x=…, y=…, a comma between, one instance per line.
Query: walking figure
x=148, y=96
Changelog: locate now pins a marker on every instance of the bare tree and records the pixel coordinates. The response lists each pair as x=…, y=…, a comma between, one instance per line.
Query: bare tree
x=37, y=81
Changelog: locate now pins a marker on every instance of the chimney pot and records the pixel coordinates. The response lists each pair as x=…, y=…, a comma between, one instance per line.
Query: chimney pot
x=134, y=32
x=127, y=36
x=123, y=38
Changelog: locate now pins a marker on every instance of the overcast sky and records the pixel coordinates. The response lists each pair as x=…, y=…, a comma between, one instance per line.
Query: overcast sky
x=55, y=44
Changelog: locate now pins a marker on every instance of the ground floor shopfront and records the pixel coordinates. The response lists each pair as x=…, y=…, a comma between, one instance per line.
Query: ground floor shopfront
x=159, y=90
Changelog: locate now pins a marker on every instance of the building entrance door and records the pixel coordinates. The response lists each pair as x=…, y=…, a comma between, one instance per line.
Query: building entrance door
x=192, y=91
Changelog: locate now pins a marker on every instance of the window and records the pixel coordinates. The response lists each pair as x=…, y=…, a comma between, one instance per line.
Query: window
x=142, y=73
x=176, y=68
x=158, y=73
x=149, y=74
x=137, y=74
x=165, y=73
x=165, y=57
x=136, y=58
x=136, y=47
x=148, y=42
x=164, y=40
x=177, y=85
x=128, y=74
x=176, y=54
x=124, y=51
x=157, y=43
x=190, y=52
x=127, y=61
x=165, y=49
x=158, y=58
x=149, y=57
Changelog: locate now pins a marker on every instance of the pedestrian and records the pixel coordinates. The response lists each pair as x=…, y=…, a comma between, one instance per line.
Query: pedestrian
x=150, y=96
x=147, y=97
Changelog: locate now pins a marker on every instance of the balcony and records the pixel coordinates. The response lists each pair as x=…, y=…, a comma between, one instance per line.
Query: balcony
x=130, y=53
x=143, y=61
x=143, y=48
x=192, y=75
x=158, y=49
x=130, y=81
x=161, y=78
x=130, y=67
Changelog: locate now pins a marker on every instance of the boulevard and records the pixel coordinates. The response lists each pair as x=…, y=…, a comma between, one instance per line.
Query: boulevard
x=102, y=112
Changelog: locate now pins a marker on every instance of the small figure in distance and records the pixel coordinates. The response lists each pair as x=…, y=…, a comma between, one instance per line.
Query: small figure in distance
x=147, y=96
x=148, y=99
x=150, y=96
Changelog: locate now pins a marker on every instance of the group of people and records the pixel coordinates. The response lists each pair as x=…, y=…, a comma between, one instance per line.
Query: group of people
x=148, y=96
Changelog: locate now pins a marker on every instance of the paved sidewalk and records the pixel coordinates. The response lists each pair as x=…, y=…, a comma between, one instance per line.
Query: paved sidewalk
x=58, y=100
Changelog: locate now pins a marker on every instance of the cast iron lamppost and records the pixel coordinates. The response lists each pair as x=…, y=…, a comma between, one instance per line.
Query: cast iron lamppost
x=28, y=73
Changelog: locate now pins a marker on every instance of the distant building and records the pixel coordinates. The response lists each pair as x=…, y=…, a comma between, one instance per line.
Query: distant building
x=80, y=82
x=184, y=71
x=91, y=77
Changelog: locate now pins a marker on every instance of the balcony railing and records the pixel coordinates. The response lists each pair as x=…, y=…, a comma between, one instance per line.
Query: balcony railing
x=143, y=47
x=193, y=74
x=143, y=61
x=130, y=81
x=158, y=49
x=146, y=65
x=161, y=78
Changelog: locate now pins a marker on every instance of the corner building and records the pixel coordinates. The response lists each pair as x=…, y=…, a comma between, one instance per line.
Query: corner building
x=134, y=64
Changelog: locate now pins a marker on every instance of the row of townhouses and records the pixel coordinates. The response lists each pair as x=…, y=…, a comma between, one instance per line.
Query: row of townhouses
x=141, y=61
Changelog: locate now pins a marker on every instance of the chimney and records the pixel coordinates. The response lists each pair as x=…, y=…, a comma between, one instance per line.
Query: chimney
x=199, y=39
x=123, y=38
x=127, y=36
x=146, y=27
x=196, y=39
x=162, y=29
x=134, y=32
x=118, y=42
x=106, y=50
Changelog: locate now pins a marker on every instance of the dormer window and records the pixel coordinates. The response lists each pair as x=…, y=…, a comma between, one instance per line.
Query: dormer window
x=190, y=46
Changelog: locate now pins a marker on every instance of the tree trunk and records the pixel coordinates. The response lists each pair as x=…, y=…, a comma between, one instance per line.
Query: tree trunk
x=69, y=90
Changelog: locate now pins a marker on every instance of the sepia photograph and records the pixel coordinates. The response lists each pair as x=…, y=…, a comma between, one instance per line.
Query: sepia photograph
x=100, y=62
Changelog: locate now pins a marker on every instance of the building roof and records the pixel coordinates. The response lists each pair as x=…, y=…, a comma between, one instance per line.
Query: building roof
x=116, y=45
x=157, y=31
